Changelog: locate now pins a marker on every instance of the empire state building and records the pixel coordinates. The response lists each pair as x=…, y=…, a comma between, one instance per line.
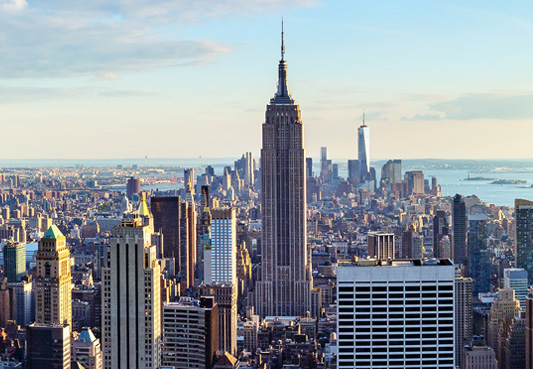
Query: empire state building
x=284, y=285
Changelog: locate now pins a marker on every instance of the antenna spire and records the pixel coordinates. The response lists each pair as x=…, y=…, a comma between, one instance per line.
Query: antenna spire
x=282, y=43
x=364, y=125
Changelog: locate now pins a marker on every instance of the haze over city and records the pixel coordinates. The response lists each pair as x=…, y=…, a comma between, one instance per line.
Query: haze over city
x=122, y=79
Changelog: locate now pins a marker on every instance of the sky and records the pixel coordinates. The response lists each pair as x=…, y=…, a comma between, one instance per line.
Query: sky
x=172, y=78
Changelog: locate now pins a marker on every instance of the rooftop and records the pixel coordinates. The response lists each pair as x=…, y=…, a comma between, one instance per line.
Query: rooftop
x=53, y=232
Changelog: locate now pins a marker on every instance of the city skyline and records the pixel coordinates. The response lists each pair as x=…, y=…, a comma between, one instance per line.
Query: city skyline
x=84, y=79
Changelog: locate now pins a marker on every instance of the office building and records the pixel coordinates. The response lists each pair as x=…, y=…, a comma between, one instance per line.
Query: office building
x=463, y=316
x=188, y=241
x=524, y=236
x=505, y=305
x=285, y=279
x=220, y=260
x=133, y=187
x=459, y=229
x=326, y=170
x=131, y=303
x=396, y=314
x=226, y=300
x=204, y=234
x=190, y=333
x=166, y=214
x=48, y=346
x=415, y=182
x=391, y=172
x=516, y=279
x=309, y=167
x=529, y=330
x=479, y=357
x=513, y=345
x=363, y=139
x=52, y=282
x=380, y=245
x=479, y=253
x=440, y=230
x=21, y=304
x=14, y=261
x=353, y=171
x=86, y=350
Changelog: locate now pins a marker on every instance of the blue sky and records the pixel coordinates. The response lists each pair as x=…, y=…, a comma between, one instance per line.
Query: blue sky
x=129, y=78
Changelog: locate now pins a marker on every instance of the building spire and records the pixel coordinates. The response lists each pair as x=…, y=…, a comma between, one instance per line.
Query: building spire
x=364, y=124
x=282, y=95
x=282, y=43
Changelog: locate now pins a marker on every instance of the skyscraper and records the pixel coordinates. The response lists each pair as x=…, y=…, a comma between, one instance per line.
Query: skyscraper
x=364, y=151
x=440, y=229
x=131, y=303
x=529, y=330
x=396, y=314
x=524, y=236
x=204, y=234
x=459, y=229
x=392, y=171
x=381, y=245
x=48, y=346
x=479, y=253
x=463, y=316
x=14, y=261
x=516, y=278
x=284, y=285
x=53, y=290
x=190, y=333
x=166, y=213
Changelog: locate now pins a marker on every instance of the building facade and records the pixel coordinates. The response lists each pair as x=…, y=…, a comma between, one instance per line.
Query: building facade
x=396, y=314
x=524, y=236
x=285, y=280
x=131, y=303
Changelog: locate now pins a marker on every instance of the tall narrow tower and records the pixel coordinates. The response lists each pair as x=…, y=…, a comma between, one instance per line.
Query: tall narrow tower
x=364, y=151
x=284, y=285
x=53, y=293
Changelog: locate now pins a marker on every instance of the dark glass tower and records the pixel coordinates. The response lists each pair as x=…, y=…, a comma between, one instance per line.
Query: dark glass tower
x=284, y=285
x=524, y=236
x=459, y=229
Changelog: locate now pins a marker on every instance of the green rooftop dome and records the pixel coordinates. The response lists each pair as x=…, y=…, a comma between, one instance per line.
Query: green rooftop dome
x=53, y=232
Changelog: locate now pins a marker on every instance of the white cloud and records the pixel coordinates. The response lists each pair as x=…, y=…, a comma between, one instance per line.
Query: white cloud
x=13, y=5
x=63, y=38
x=107, y=76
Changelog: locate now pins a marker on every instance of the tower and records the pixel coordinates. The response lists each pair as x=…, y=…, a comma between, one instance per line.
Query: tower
x=459, y=229
x=363, y=134
x=53, y=294
x=131, y=303
x=14, y=261
x=524, y=236
x=284, y=285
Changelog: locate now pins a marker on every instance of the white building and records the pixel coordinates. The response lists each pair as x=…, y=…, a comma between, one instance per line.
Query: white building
x=221, y=259
x=396, y=314
x=131, y=302
x=86, y=350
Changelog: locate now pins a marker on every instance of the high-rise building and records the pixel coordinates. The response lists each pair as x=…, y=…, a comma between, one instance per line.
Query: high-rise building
x=479, y=357
x=133, y=187
x=529, y=330
x=52, y=282
x=513, y=352
x=505, y=305
x=524, y=236
x=190, y=333
x=309, y=167
x=131, y=303
x=166, y=213
x=86, y=350
x=48, y=346
x=353, y=171
x=226, y=299
x=415, y=182
x=459, y=229
x=187, y=243
x=326, y=171
x=391, y=171
x=204, y=234
x=363, y=139
x=220, y=260
x=22, y=301
x=396, y=314
x=221, y=276
x=285, y=280
x=517, y=279
x=440, y=230
x=14, y=261
x=463, y=316
x=380, y=245
x=479, y=253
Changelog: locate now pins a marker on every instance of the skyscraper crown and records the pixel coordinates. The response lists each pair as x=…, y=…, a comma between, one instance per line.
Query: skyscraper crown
x=283, y=96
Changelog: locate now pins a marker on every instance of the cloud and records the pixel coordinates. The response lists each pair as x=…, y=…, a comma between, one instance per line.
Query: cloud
x=60, y=38
x=107, y=76
x=506, y=105
x=499, y=105
x=10, y=94
x=12, y=5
